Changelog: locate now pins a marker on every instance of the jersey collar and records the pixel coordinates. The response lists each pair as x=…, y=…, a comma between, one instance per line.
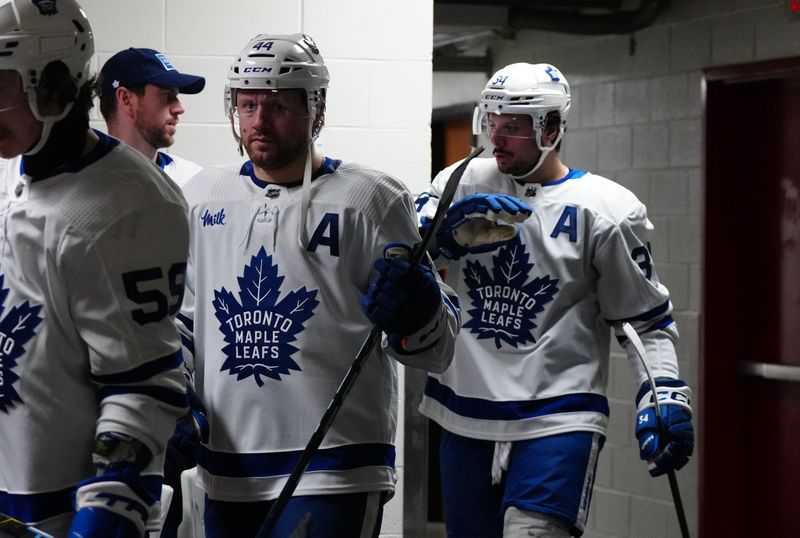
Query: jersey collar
x=104, y=145
x=328, y=166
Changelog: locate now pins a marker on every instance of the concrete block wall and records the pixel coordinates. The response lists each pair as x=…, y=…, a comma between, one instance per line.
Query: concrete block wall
x=637, y=117
x=378, y=53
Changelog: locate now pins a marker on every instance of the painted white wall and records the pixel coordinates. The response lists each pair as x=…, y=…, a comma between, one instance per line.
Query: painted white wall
x=378, y=53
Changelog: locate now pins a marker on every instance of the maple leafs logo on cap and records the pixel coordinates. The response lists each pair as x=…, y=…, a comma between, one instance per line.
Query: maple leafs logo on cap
x=258, y=328
x=16, y=328
x=504, y=306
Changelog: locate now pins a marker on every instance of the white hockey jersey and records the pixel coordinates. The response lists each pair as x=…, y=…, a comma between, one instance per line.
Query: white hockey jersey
x=92, y=261
x=274, y=327
x=180, y=170
x=532, y=357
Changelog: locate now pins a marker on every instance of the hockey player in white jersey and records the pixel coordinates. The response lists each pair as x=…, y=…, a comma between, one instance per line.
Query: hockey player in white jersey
x=138, y=90
x=90, y=364
x=281, y=256
x=523, y=405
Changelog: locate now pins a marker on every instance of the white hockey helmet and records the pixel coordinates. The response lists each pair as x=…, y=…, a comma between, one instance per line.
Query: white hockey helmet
x=34, y=33
x=531, y=89
x=279, y=62
x=523, y=88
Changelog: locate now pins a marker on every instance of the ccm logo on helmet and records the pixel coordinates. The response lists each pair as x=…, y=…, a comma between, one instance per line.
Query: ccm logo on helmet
x=257, y=69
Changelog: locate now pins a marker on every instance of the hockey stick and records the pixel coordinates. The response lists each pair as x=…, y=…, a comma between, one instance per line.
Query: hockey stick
x=14, y=527
x=420, y=250
x=638, y=346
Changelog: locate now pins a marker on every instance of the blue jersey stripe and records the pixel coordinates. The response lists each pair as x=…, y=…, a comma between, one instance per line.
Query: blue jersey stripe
x=188, y=343
x=143, y=372
x=187, y=321
x=169, y=397
x=478, y=408
x=33, y=507
x=340, y=458
x=655, y=313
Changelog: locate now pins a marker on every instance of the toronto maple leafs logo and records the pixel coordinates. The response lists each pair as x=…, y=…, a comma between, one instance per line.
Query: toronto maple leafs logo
x=16, y=328
x=504, y=305
x=258, y=328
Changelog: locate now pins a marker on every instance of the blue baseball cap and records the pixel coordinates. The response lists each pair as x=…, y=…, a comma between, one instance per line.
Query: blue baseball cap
x=132, y=67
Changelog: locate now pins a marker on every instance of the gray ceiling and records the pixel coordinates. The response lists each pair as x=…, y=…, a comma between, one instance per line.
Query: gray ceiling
x=464, y=30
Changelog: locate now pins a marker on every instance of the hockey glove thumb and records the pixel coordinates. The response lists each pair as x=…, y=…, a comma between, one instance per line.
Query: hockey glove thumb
x=403, y=297
x=668, y=449
x=115, y=504
x=480, y=223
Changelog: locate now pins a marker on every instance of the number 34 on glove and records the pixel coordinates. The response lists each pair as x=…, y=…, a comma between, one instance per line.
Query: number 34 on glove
x=666, y=448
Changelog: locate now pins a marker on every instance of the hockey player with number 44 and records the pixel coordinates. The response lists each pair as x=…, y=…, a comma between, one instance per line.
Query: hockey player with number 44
x=92, y=263
x=545, y=260
x=282, y=260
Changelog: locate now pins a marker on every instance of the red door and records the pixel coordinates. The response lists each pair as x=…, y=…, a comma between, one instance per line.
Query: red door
x=750, y=371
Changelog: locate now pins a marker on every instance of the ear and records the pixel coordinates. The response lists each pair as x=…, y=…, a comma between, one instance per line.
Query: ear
x=319, y=118
x=125, y=100
x=550, y=134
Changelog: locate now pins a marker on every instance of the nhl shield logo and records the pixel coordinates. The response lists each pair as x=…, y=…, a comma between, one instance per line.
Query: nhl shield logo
x=46, y=7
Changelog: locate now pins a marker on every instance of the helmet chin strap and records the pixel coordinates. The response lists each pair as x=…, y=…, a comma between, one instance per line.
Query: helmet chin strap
x=544, y=151
x=302, y=234
x=47, y=121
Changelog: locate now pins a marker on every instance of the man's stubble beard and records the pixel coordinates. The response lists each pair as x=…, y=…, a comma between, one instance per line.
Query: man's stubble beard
x=283, y=157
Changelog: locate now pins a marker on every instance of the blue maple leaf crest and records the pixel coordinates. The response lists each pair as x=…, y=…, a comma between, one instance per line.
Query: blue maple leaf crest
x=258, y=328
x=16, y=328
x=504, y=306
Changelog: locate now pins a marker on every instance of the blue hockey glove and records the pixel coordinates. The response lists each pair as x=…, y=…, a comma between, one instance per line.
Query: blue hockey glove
x=402, y=298
x=674, y=402
x=115, y=504
x=184, y=446
x=471, y=226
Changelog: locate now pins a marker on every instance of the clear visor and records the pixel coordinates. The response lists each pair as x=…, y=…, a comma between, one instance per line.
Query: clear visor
x=275, y=104
x=504, y=125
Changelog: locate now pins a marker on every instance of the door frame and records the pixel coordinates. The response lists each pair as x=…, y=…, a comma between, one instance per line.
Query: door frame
x=723, y=327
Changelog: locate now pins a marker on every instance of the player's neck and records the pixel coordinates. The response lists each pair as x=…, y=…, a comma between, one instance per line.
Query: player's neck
x=291, y=173
x=70, y=139
x=552, y=169
x=132, y=137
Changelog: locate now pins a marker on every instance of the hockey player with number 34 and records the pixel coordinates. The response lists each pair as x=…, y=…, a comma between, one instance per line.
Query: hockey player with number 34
x=92, y=262
x=282, y=259
x=545, y=259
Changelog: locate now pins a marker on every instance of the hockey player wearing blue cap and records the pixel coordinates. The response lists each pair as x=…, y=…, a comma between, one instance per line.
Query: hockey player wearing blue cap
x=523, y=405
x=138, y=90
